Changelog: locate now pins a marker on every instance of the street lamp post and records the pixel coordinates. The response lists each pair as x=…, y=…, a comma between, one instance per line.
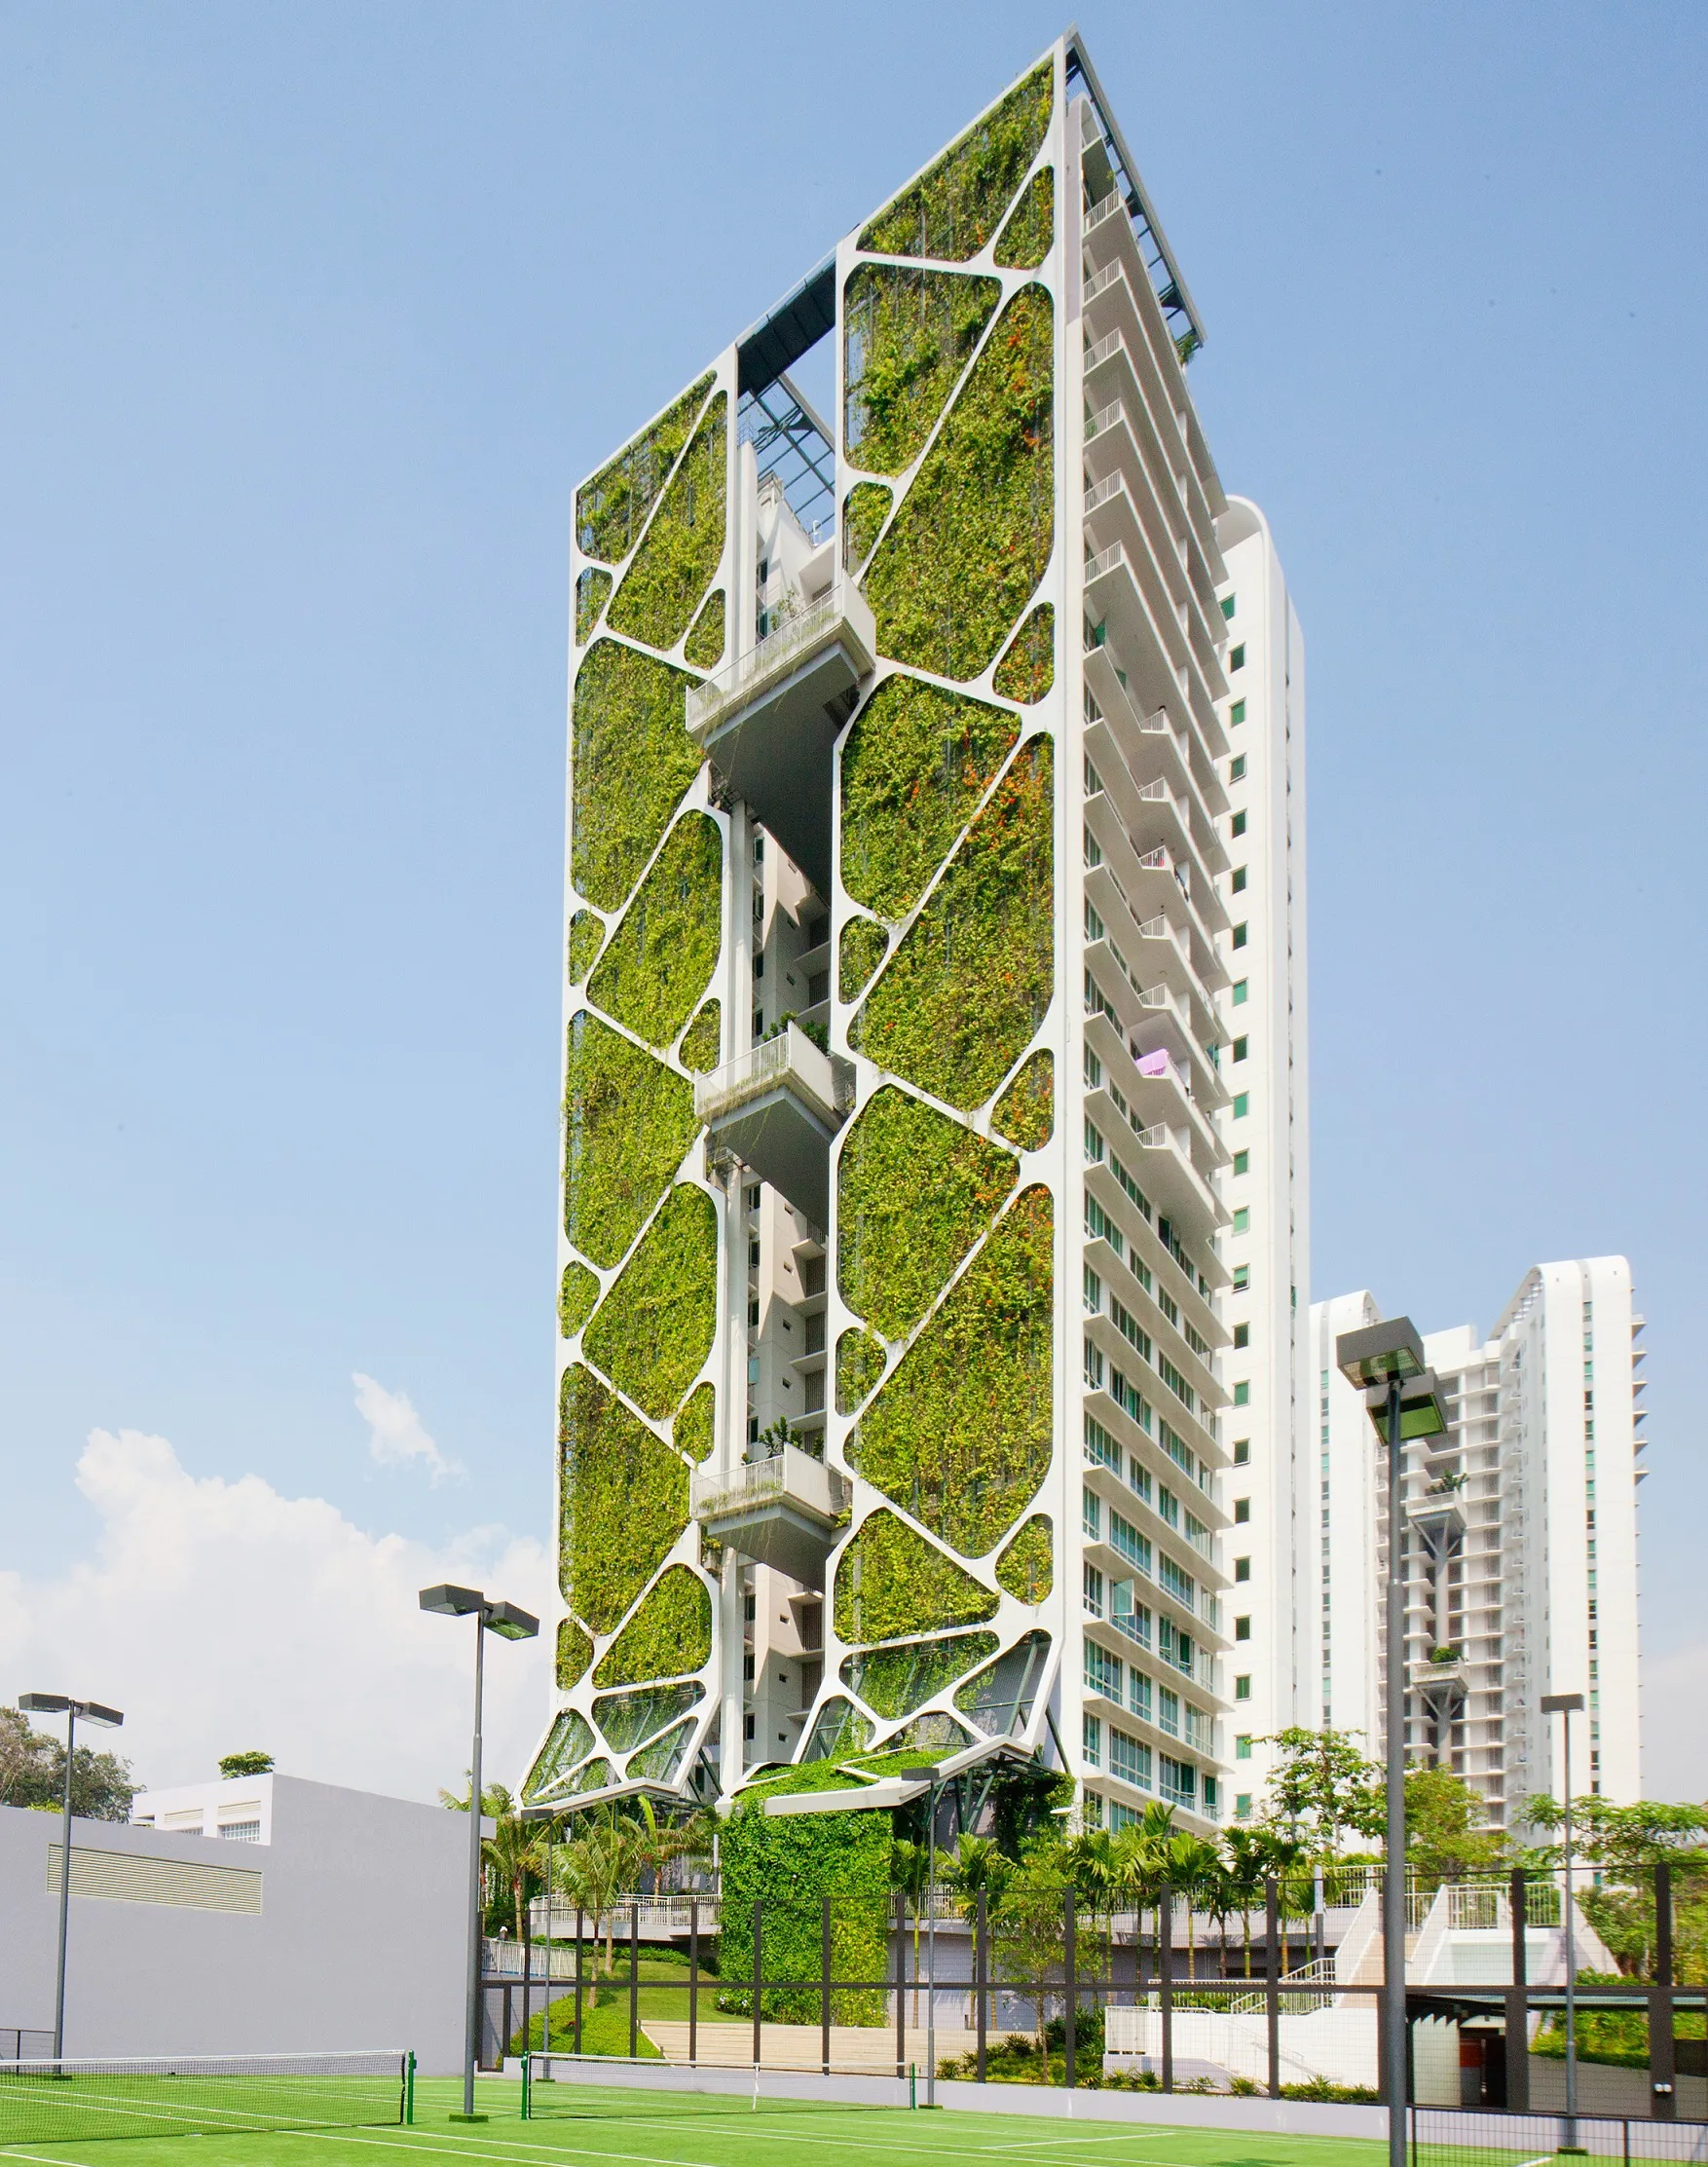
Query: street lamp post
x=102, y=1719
x=1385, y=1363
x=509, y=1624
x=1566, y=1705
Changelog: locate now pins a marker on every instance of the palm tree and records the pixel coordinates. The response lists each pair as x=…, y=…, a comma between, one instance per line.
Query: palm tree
x=591, y=1871
x=909, y=1864
x=514, y=1857
x=977, y=1864
x=1191, y=1862
x=1247, y=1864
x=1141, y=1865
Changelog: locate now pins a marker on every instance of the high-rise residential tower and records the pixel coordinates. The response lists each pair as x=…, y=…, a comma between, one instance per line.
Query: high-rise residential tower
x=933, y=947
x=1521, y=1541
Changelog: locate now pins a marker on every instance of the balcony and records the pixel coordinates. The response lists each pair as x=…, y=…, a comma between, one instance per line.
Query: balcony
x=785, y=1511
x=768, y=723
x=1442, y=1686
x=778, y=1108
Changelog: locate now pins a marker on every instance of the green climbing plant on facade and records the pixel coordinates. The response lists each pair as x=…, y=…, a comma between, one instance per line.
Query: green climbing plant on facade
x=1025, y=1114
x=973, y=978
x=702, y=1041
x=704, y=645
x=577, y=1294
x=623, y=1501
x=670, y=1633
x=864, y=510
x=1025, y=241
x=659, y=1761
x=612, y=508
x=586, y=938
x=859, y=1367
x=915, y=1192
x=916, y=761
x=895, y=1681
x=592, y=590
x=574, y=1651
x=1026, y=1568
x=695, y=1430
x=863, y=948
x=652, y=1332
x=891, y=1580
x=626, y=1718
x=1027, y=670
x=908, y=334
x=681, y=550
x=656, y=963
x=631, y=760
x=962, y=555
x=961, y=1431
x=569, y=1740
x=628, y=1121
x=791, y=1866
x=954, y=206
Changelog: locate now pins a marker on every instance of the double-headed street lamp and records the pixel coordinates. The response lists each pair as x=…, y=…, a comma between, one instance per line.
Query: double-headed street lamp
x=1566, y=1705
x=509, y=1624
x=1385, y=1363
x=101, y=1719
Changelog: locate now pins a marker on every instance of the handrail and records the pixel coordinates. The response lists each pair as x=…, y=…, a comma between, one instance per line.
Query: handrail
x=843, y=606
x=791, y=1474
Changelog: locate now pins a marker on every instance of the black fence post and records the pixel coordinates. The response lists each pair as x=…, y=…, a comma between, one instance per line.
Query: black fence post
x=694, y=1981
x=982, y=1977
x=1166, y=1979
x=634, y=1982
x=1272, y=1979
x=1517, y=2100
x=758, y=1975
x=900, y=1985
x=580, y=1920
x=824, y=1990
x=1663, y=2059
x=1071, y=1971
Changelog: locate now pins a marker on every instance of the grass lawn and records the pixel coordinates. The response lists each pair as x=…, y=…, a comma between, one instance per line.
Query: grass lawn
x=605, y=2009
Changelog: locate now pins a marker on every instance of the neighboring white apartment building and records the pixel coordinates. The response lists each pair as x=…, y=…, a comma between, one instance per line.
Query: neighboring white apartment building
x=1521, y=1558
x=1266, y=1181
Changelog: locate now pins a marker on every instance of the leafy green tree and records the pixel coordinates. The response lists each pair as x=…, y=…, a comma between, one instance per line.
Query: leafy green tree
x=1321, y=1786
x=977, y=1865
x=233, y=1765
x=1445, y=1836
x=1623, y=1844
x=1030, y=1943
x=32, y=1773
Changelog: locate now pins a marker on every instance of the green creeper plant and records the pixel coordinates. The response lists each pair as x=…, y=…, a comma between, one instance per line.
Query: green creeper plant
x=970, y=542
x=577, y=1296
x=670, y=1633
x=895, y=1681
x=961, y=1431
x=592, y=590
x=586, y=938
x=569, y=1739
x=1025, y=1112
x=680, y=550
x=695, y=1431
x=915, y=1190
x=891, y=1580
x=652, y=1332
x=862, y=950
x=864, y=510
x=1026, y=1568
x=626, y=1718
x=859, y=1367
x=703, y=1040
x=916, y=761
x=628, y=1122
x=967, y=989
x=656, y=963
x=792, y=1864
x=1025, y=241
x=839, y=1730
x=631, y=760
x=954, y=206
x=660, y=1760
x=574, y=1651
x=623, y=1501
x=612, y=508
x=704, y=647
x=1027, y=670
x=908, y=335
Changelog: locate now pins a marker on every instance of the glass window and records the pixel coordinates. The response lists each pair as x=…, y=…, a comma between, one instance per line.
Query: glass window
x=1242, y=1689
x=1241, y=1568
x=1093, y=1741
x=1242, y=1219
x=1242, y=1279
x=1236, y=659
x=1242, y=1394
x=1241, y=1452
x=1241, y=1104
x=1242, y=992
x=1237, y=826
x=1227, y=605
x=1242, y=1162
x=1242, y=1628
x=1240, y=933
x=1242, y=1747
x=1237, y=768
x=1242, y=1335
x=1241, y=1047
x=1237, y=713
x=1242, y=1511
x=1239, y=880
x=1242, y=1806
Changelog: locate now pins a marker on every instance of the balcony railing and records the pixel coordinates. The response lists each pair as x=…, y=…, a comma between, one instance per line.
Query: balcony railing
x=843, y=615
x=790, y=1477
x=790, y=1058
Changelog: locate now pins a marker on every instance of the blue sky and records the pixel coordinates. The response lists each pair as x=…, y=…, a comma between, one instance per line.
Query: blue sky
x=314, y=317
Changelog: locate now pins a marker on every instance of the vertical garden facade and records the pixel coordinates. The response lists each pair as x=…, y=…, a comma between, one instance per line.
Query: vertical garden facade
x=896, y=938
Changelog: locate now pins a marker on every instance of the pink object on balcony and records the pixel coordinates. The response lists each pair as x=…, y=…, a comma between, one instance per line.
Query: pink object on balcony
x=1153, y=1065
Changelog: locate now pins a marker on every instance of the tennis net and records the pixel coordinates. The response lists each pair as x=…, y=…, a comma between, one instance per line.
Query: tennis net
x=66, y=2102
x=576, y=2087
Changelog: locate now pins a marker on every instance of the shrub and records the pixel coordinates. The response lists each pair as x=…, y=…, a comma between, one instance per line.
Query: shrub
x=623, y=1501
x=1027, y=670
x=631, y=759
x=915, y=1192
x=961, y=1431
x=574, y=1651
x=626, y=1718
x=704, y=647
x=652, y=1332
x=669, y=1634
x=951, y=210
x=591, y=591
x=612, y=508
x=895, y=1681
x=703, y=1040
x=1026, y=1111
x=864, y=510
x=628, y=1122
x=859, y=1367
x=862, y=950
x=586, y=938
x=917, y=762
x=656, y=963
x=970, y=542
x=695, y=1431
x=1025, y=241
x=577, y=1296
x=908, y=335
x=891, y=1580
x=974, y=976
x=1026, y=1568
x=682, y=544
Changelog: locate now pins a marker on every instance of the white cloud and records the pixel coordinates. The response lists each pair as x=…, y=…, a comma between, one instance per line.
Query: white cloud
x=396, y=1434
x=221, y=1614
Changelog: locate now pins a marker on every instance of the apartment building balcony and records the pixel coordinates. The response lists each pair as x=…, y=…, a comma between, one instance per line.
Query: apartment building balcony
x=1123, y=506
x=1158, y=882
x=1442, y=1687
x=768, y=722
x=1157, y=1023
x=777, y=1109
x=1438, y=1516
x=1151, y=746
x=786, y=1511
x=1156, y=1089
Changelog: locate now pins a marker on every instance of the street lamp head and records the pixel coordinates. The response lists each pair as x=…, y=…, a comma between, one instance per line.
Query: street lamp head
x=1562, y=1703
x=44, y=1703
x=453, y=1603
x=102, y=1719
x=1422, y=1413
x=1376, y=1354
x=91, y=1712
x=510, y=1623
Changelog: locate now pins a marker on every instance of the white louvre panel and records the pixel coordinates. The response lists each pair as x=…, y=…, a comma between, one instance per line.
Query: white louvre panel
x=131, y=1878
